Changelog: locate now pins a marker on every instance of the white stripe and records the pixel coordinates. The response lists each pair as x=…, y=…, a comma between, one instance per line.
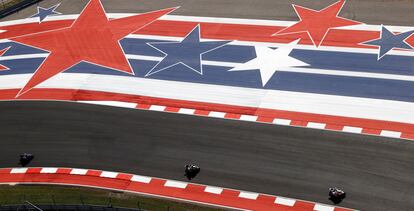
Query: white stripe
x=48, y=170
x=137, y=178
x=157, y=108
x=248, y=195
x=392, y=134
x=217, y=114
x=248, y=118
x=258, y=98
x=351, y=129
x=316, y=125
x=143, y=57
x=259, y=22
x=111, y=103
x=79, y=171
x=18, y=170
x=186, y=111
x=175, y=184
x=285, y=201
x=323, y=207
x=215, y=190
x=282, y=121
x=109, y=174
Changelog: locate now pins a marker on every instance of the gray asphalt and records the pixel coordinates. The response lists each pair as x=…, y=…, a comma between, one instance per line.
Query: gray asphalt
x=302, y=163
x=376, y=172
x=390, y=12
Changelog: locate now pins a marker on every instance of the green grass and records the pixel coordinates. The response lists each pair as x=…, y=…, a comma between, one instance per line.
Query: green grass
x=8, y=3
x=15, y=195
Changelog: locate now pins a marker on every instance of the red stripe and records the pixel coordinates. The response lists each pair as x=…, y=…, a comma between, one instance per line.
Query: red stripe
x=232, y=116
x=193, y=192
x=172, y=109
x=242, y=32
x=299, y=118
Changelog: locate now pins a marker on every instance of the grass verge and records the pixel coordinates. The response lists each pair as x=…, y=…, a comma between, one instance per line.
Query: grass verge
x=8, y=3
x=45, y=194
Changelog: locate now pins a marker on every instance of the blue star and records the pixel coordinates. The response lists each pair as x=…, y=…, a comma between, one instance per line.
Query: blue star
x=42, y=13
x=389, y=41
x=188, y=52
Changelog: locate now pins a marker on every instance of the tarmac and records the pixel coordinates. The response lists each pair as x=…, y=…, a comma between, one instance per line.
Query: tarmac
x=391, y=12
x=294, y=162
x=377, y=173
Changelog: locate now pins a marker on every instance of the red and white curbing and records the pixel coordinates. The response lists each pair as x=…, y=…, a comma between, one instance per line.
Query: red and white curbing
x=254, y=118
x=177, y=190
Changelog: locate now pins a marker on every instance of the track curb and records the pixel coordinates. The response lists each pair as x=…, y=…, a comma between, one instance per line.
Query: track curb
x=176, y=190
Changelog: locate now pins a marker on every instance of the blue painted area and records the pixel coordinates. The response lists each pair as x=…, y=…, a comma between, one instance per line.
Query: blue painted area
x=389, y=40
x=187, y=52
x=211, y=75
x=19, y=49
x=227, y=53
x=299, y=82
x=44, y=12
x=21, y=66
x=359, y=62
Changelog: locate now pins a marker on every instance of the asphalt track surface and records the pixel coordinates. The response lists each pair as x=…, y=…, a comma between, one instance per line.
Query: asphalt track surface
x=302, y=163
x=388, y=12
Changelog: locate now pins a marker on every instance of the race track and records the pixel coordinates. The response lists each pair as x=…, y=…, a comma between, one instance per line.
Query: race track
x=369, y=11
x=293, y=162
x=376, y=172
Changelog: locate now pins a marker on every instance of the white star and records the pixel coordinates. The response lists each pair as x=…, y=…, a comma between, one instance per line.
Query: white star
x=268, y=61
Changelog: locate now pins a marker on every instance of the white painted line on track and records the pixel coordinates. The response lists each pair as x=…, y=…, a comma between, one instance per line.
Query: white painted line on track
x=18, y=170
x=248, y=195
x=142, y=179
x=215, y=190
x=248, y=118
x=109, y=174
x=48, y=170
x=217, y=114
x=351, y=129
x=157, y=108
x=316, y=125
x=282, y=121
x=323, y=207
x=285, y=201
x=175, y=184
x=79, y=171
x=111, y=103
x=186, y=111
x=392, y=134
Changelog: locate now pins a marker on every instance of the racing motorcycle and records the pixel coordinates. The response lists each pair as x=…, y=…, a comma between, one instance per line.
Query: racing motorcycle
x=25, y=159
x=336, y=195
x=191, y=171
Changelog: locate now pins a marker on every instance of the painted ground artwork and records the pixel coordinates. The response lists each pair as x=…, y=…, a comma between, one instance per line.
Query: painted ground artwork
x=323, y=71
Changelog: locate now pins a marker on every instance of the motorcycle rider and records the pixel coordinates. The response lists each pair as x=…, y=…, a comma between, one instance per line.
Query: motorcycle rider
x=25, y=159
x=191, y=171
x=336, y=195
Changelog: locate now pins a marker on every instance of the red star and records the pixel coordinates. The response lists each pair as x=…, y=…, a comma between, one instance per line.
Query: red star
x=318, y=23
x=2, y=52
x=92, y=38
